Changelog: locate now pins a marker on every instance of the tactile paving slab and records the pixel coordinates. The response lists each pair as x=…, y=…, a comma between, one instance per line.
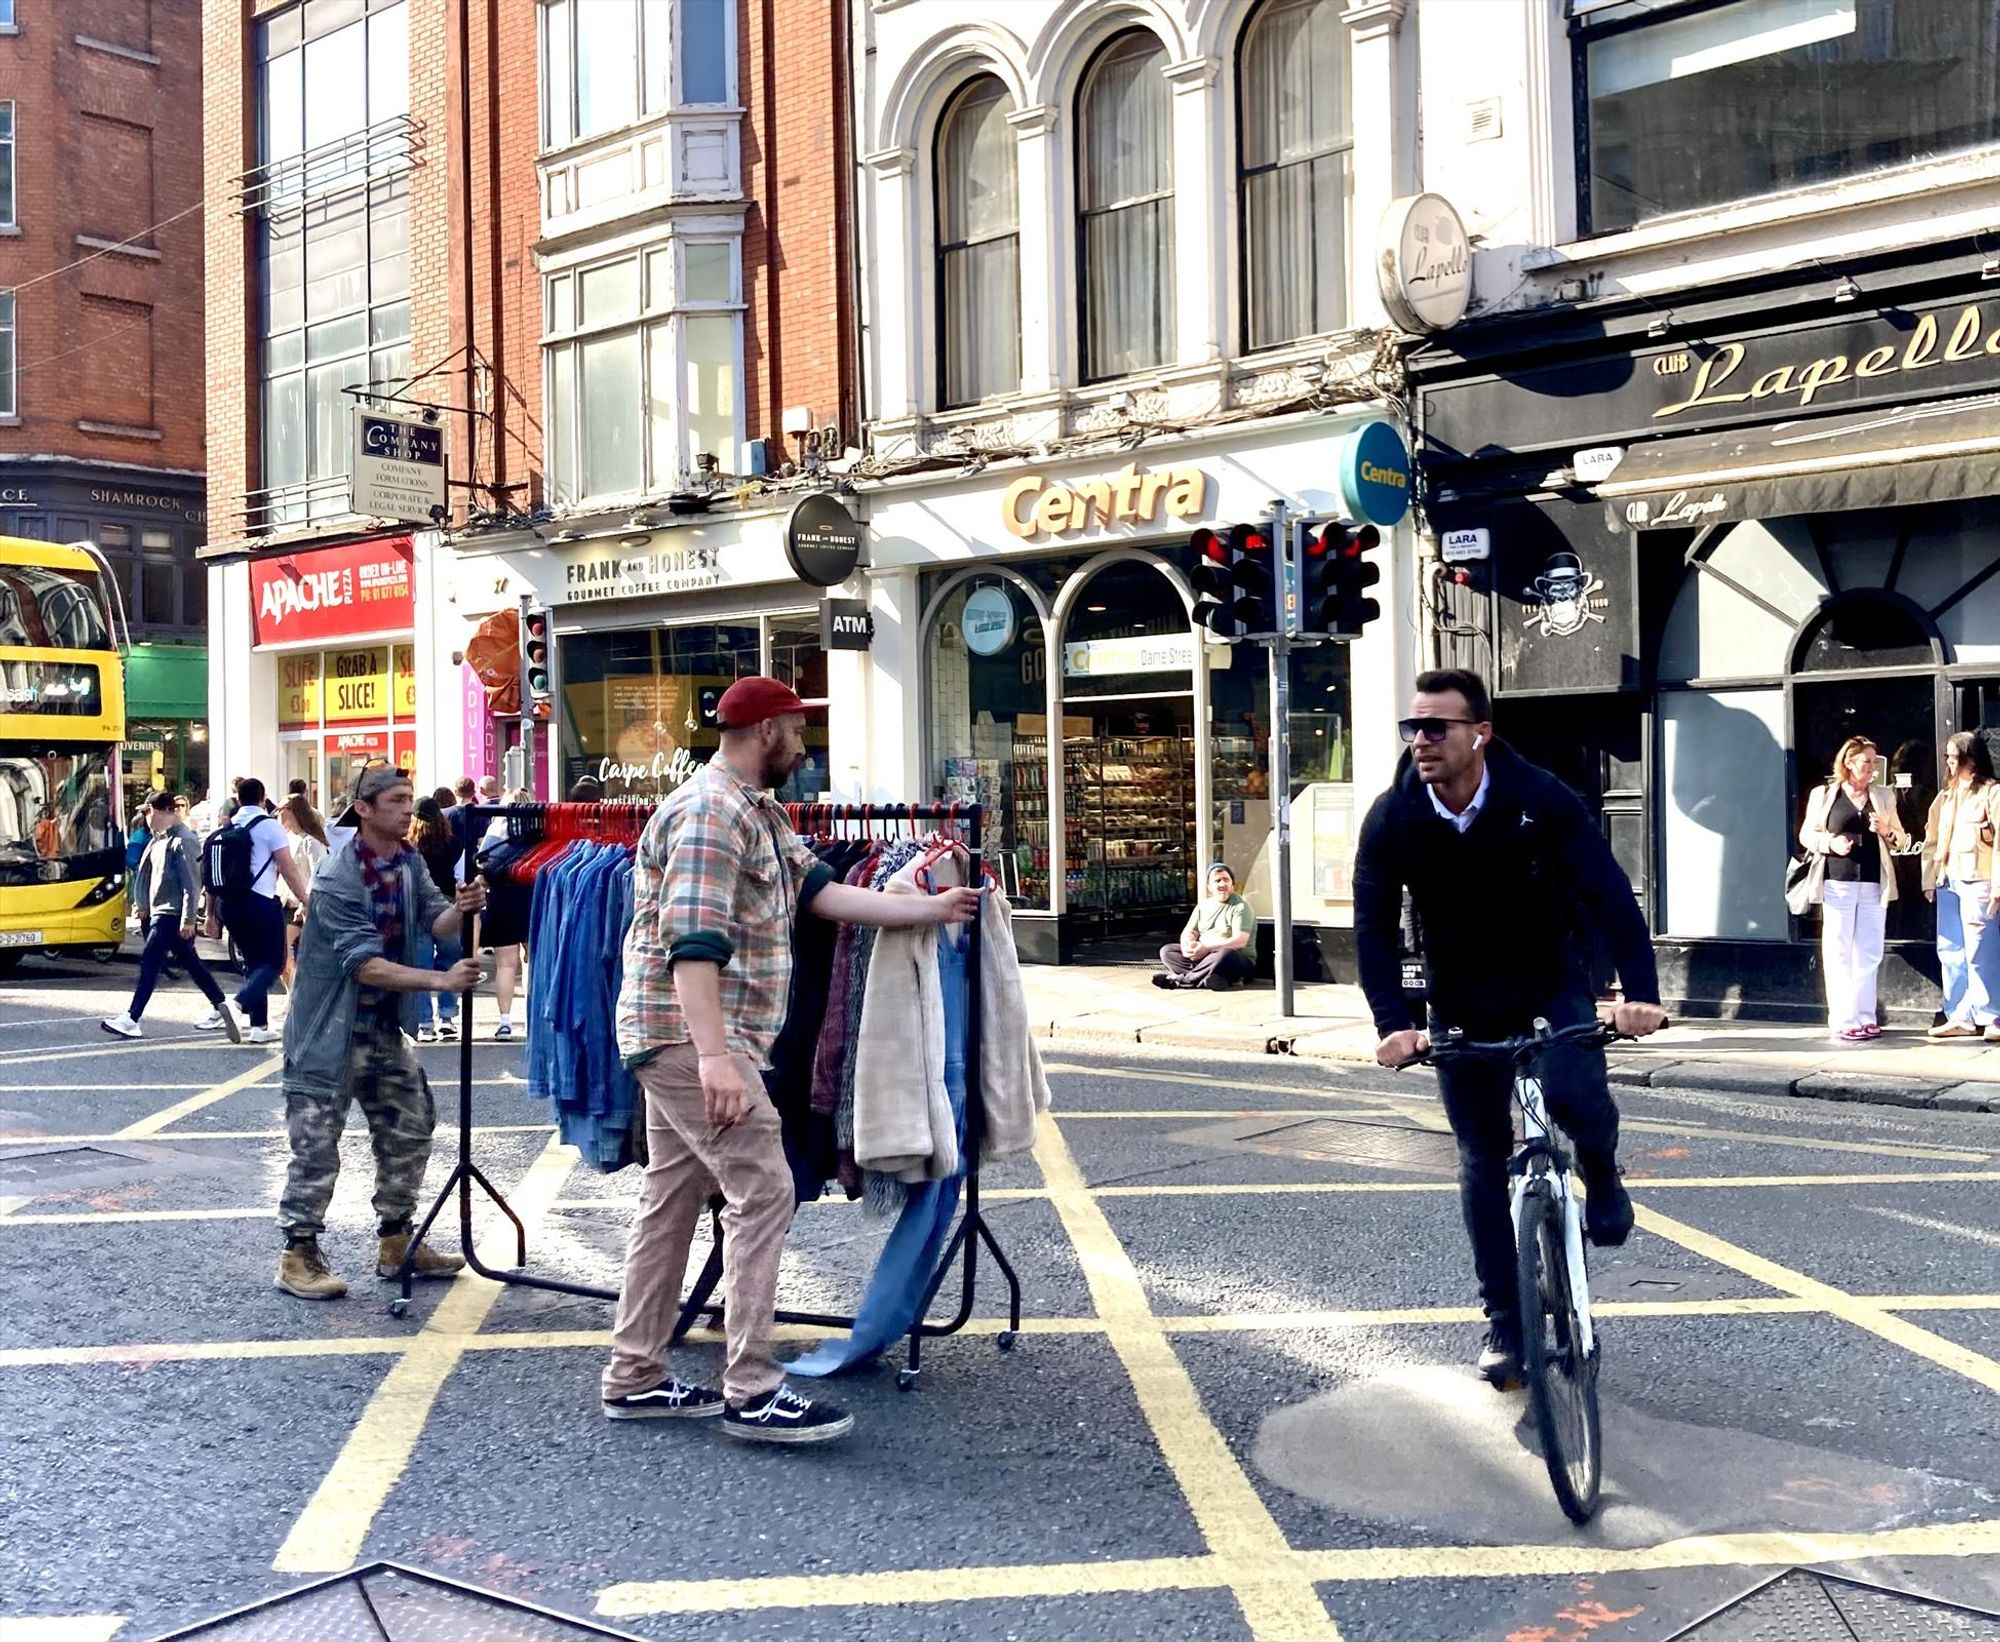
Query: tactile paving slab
x=386, y=1602
x=1802, y=1606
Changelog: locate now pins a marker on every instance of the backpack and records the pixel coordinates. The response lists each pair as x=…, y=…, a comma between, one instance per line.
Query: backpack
x=226, y=857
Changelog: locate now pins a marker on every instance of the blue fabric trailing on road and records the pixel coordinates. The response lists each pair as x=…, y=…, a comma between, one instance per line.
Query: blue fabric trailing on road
x=581, y=909
x=889, y=1309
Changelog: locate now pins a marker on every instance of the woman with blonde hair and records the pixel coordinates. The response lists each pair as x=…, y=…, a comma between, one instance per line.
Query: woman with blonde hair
x=308, y=834
x=1958, y=876
x=1849, y=829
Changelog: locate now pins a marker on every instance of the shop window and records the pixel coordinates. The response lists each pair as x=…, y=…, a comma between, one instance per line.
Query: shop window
x=644, y=359
x=1677, y=99
x=1864, y=631
x=1717, y=630
x=979, y=247
x=606, y=63
x=637, y=708
x=1126, y=236
x=1296, y=178
x=1727, y=831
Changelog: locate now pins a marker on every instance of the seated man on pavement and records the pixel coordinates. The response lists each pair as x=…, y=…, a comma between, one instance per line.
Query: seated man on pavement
x=1214, y=949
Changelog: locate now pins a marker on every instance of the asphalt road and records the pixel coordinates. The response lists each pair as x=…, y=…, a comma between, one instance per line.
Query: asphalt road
x=1241, y=1405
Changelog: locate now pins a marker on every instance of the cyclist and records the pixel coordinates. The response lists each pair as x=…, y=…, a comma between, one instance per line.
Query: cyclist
x=1508, y=878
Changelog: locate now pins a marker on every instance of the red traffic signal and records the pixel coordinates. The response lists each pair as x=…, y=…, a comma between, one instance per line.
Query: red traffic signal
x=1337, y=574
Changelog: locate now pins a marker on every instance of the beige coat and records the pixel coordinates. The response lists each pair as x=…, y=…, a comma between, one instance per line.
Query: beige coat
x=1813, y=835
x=1958, y=837
x=902, y=1110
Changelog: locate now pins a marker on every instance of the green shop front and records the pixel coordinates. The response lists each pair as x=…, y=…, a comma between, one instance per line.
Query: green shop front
x=166, y=718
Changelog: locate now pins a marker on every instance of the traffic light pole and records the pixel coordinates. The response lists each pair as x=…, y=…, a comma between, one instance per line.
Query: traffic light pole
x=527, y=712
x=1280, y=756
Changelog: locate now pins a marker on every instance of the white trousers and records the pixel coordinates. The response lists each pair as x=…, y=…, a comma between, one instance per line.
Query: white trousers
x=1850, y=951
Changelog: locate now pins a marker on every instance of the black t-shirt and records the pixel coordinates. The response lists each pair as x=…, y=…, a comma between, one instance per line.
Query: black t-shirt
x=1863, y=863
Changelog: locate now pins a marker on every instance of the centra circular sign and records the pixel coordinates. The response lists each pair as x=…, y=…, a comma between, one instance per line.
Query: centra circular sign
x=822, y=540
x=987, y=621
x=1375, y=473
x=1425, y=263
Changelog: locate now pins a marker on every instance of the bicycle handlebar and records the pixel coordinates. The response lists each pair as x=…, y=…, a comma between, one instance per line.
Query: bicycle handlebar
x=1586, y=1034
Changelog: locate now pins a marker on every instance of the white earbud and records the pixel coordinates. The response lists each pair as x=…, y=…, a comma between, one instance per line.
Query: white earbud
x=1479, y=741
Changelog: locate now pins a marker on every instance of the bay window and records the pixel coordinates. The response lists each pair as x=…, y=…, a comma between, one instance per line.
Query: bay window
x=606, y=63
x=1703, y=102
x=644, y=359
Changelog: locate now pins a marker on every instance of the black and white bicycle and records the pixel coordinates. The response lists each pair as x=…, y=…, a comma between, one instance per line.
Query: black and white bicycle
x=1559, y=1355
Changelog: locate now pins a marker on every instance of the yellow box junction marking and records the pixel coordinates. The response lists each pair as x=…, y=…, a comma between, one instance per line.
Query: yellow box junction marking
x=147, y=1127
x=330, y=1532
x=1849, y=1309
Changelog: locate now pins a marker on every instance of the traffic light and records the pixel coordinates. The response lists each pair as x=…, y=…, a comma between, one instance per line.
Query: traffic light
x=1234, y=580
x=1336, y=574
x=537, y=691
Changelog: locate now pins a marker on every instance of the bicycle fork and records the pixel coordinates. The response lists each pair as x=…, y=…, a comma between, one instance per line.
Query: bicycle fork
x=1529, y=1092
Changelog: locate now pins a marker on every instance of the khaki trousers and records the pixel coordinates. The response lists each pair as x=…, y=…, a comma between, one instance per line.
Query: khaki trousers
x=689, y=1161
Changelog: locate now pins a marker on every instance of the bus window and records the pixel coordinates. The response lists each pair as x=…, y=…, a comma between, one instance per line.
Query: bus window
x=58, y=609
x=55, y=806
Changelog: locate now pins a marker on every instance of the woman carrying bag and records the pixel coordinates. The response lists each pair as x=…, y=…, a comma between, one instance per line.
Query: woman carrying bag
x=1958, y=876
x=1849, y=827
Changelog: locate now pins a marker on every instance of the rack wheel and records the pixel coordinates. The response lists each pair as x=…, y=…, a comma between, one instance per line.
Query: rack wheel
x=399, y=1307
x=1005, y=1339
x=906, y=1379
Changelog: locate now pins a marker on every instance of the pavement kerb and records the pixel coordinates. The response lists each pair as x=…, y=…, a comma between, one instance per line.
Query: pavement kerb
x=1335, y=1040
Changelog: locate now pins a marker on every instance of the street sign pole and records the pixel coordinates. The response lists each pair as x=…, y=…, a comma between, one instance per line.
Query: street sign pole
x=1280, y=772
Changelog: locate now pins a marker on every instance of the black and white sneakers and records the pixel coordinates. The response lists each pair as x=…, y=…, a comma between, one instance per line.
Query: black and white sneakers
x=783, y=1416
x=669, y=1400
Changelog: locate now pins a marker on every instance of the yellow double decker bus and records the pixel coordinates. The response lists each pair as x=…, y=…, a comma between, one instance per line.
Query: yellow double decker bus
x=62, y=720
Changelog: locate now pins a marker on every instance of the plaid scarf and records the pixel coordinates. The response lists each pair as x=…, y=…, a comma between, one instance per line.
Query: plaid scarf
x=382, y=878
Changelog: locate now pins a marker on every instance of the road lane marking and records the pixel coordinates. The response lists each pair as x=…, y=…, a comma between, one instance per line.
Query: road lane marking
x=1232, y=1517
x=1562, y=1558
x=1920, y=1342
x=149, y=1126
x=81, y=1627
x=1863, y=1148
x=13, y=1139
x=1241, y=1322
x=1925, y=1222
x=36, y=1057
x=330, y=1531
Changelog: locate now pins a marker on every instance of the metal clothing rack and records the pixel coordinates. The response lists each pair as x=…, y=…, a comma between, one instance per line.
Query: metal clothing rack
x=623, y=823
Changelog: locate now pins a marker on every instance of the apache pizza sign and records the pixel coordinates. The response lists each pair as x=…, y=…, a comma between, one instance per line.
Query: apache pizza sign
x=333, y=593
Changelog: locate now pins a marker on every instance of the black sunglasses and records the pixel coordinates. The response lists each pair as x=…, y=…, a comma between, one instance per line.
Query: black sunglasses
x=1431, y=729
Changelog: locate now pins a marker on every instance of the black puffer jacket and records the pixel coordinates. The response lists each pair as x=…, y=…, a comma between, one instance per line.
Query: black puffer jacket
x=1506, y=910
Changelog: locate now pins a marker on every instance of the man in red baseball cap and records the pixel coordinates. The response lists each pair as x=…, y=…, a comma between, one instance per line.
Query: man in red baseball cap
x=719, y=878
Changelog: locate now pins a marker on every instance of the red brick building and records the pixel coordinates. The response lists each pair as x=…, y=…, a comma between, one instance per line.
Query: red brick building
x=611, y=281
x=101, y=329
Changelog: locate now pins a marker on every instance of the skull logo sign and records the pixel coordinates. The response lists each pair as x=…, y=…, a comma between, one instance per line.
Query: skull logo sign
x=1565, y=598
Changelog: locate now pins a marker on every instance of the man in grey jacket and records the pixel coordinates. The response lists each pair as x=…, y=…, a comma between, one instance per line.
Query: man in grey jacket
x=167, y=891
x=354, y=999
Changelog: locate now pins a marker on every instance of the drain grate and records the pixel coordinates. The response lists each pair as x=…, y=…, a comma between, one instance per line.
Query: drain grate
x=1803, y=1606
x=36, y=1168
x=389, y=1603
x=1372, y=1145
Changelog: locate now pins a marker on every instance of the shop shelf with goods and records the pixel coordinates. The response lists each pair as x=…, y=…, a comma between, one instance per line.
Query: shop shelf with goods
x=1136, y=860
x=1025, y=811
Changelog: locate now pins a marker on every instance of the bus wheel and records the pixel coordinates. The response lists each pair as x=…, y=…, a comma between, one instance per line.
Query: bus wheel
x=10, y=957
x=104, y=954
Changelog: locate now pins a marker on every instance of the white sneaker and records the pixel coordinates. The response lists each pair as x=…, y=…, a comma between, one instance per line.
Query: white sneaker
x=264, y=1034
x=504, y=1030
x=123, y=1026
x=211, y=1022
x=427, y=1033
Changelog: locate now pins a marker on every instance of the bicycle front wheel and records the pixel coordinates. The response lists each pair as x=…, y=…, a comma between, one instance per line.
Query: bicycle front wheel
x=1562, y=1378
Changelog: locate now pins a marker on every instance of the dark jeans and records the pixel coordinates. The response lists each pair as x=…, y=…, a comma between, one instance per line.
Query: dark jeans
x=1478, y=1100
x=1218, y=971
x=257, y=924
x=164, y=945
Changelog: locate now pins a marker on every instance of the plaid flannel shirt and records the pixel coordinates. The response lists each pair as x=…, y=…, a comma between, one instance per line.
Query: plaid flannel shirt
x=719, y=878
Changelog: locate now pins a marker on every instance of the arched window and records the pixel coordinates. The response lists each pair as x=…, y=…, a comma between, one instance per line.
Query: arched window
x=1296, y=172
x=1126, y=183
x=978, y=247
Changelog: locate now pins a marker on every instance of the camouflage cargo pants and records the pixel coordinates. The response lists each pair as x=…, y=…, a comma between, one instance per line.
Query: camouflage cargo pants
x=382, y=1074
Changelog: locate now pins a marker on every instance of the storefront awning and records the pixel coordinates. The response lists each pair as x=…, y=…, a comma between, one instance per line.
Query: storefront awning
x=166, y=681
x=1824, y=464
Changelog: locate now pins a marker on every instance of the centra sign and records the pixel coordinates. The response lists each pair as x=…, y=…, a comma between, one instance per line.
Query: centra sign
x=1034, y=506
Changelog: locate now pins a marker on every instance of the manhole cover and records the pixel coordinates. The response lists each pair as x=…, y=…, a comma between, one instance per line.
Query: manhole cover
x=1610, y=1280
x=34, y=1168
x=1802, y=1606
x=1373, y=1145
x=386, y=1602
